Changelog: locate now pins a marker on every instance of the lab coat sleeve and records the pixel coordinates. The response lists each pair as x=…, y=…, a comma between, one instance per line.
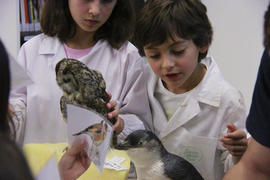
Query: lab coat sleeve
x=235, y=113
x=135, y=109
x=18, y=101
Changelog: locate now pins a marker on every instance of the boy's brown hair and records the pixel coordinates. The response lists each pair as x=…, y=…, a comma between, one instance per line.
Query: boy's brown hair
x=163, y=19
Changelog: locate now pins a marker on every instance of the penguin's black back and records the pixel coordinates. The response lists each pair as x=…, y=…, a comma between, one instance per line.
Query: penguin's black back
x=178, y=168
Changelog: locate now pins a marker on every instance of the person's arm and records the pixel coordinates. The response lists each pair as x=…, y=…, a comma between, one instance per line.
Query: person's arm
x=17, y=100
x=134, y=107
x=234, y=113
x=255, y=164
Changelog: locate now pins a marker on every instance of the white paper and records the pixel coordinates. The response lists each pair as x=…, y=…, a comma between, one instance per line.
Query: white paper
x=50, y=171
x=115, y=163
x=78, y=120
x=19, y=78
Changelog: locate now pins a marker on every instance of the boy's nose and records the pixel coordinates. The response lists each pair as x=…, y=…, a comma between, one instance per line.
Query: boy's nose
x=168, y=62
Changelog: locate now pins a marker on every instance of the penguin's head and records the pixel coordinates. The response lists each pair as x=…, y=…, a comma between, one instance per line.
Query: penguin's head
x=139, y=139
x=141, y=144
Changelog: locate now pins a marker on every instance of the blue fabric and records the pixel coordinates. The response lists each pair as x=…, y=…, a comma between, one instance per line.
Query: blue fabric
x=258, y=121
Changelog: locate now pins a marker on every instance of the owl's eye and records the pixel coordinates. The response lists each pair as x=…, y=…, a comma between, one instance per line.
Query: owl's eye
x=66, y=80
x=65, y=71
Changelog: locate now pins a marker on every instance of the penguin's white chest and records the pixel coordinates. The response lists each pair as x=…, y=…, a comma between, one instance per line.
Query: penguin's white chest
x=154, y=171
x=148, y=166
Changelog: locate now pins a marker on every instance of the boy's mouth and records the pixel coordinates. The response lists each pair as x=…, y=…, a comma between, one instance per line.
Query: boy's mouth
x=172, y=75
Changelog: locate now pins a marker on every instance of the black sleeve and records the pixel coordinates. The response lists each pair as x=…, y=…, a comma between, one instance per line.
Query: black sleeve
x=258, y=121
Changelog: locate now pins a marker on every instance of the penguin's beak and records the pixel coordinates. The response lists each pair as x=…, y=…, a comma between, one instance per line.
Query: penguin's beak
x=123, y=146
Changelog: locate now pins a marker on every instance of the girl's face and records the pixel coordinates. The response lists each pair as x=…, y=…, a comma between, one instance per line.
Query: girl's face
x=90, y=15
x=176, y=63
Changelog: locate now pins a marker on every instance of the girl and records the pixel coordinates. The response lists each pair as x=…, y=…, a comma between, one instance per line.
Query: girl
x=95, y=32
x=192, y=105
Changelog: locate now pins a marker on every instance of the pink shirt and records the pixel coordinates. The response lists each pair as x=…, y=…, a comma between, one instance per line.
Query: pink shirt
x=76, y=53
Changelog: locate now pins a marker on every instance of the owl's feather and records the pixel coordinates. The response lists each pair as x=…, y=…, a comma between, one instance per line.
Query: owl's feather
x=81, y=86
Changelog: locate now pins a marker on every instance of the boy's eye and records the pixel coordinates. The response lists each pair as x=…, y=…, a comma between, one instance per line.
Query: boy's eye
x=103, y=1
x=107, y=1
x=155, y=56
x=177, y=53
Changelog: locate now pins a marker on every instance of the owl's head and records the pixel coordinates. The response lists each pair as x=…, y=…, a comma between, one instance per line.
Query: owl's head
x=66, y=71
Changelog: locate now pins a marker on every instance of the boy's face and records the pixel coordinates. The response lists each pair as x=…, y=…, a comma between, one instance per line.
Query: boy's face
x=174, y=62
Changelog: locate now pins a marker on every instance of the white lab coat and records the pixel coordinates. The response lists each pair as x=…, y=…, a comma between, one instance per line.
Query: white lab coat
x=194, y=129
x=122, y=70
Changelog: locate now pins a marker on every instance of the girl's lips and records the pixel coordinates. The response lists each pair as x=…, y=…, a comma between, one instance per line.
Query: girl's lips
x=91, y=22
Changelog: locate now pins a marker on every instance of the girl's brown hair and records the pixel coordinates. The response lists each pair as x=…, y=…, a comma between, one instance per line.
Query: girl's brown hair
x=56, y=20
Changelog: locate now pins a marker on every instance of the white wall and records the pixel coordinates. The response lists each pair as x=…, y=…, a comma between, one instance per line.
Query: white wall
x=238, y=40
x=9, y=25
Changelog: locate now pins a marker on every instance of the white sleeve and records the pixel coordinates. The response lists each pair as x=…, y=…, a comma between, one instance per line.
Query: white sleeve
x=18, y=101
x=135, y=109
x=236, y=114
x=19, y=120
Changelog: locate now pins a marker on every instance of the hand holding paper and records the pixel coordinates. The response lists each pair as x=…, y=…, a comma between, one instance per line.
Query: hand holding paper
x=87, y=125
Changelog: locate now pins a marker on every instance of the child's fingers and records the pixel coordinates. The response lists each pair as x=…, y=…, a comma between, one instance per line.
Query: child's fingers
x=236, y=134
x=11, y=110
x=234, y=142
x=85, y=160
x=111, y=104
x=113, y=114
x=231, y=128
x=119, y=125
x=109, y=95
x=236, y=150
x=75, y=149
x=237, y=153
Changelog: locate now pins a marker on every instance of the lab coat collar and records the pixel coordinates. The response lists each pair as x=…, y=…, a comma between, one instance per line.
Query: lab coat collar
x=49, y=45
x=209, y=90
x=52, y=46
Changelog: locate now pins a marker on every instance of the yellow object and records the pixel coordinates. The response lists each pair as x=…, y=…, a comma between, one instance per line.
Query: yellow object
x=38, y=155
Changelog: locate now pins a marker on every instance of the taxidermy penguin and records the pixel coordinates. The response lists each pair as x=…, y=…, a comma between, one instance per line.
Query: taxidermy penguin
x=153, y=161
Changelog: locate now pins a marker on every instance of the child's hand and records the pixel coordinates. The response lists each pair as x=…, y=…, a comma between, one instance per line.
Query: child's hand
x=11, y=110
x=74, y=162
x=119, y=124
x=235, y=141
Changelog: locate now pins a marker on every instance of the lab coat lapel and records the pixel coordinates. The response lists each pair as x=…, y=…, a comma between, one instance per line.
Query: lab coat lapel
x=186, y=111
x=158, y=115
x=52, y=46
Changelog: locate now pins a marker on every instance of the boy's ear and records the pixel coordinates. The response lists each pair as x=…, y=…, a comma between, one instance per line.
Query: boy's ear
x=203, y=49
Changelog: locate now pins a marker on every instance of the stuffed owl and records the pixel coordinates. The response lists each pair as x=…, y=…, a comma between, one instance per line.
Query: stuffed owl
x=81, y=86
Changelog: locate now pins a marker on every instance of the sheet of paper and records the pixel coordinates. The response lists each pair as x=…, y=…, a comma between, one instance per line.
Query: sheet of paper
x=18, y=76
x=115, y=163
x=88, y=125
x=50, y=171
